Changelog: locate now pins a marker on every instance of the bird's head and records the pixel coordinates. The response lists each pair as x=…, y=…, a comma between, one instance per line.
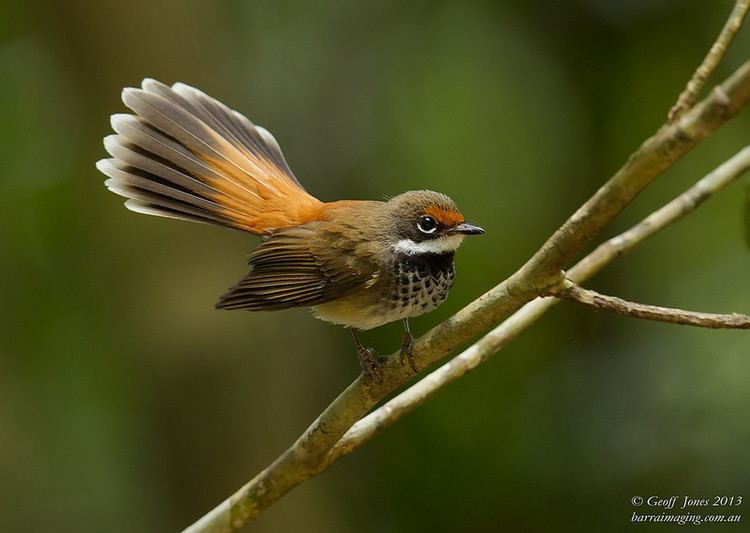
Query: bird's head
x=427, y=222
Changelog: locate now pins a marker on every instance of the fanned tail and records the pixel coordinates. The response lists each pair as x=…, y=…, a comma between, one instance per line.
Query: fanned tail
x=185, y=155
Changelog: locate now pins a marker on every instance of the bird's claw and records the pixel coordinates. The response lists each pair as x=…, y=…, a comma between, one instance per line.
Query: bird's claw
x=372, y=365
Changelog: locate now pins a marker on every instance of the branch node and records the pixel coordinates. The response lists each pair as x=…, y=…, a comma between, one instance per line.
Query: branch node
x=722, y=98
x=687, y=98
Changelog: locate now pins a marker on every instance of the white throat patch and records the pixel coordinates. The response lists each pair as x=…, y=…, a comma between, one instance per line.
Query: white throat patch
x=438, y=246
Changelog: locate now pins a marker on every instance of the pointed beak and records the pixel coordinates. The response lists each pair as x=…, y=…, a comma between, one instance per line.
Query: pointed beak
x=466, y=229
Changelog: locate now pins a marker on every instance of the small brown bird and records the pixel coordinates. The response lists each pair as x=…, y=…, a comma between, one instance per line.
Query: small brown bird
x=360, y=264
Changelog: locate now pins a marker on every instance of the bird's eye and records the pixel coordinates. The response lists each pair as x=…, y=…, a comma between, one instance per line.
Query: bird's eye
x=427, y=224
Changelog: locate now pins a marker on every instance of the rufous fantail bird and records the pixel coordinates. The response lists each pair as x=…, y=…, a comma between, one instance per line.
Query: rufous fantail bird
x=357, y=263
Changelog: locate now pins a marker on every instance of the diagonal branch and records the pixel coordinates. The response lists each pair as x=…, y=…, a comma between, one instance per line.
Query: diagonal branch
x=543, y=270
x=589, y=298
x=687, y=98
x=310, y=454
x=616, y=247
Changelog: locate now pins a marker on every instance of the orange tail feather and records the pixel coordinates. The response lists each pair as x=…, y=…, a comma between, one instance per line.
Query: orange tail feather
x=185, y=155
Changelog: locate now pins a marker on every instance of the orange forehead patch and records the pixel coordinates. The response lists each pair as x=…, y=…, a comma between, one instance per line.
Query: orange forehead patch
x=444, y=216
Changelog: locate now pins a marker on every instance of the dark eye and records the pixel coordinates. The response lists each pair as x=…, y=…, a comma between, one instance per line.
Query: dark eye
x=427, y=224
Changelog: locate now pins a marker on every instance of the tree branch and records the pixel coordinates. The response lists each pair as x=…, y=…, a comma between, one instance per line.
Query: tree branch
x=311, y=453
x=687, y=98
x=656, y=154
x=570, y=291
x=616, y=247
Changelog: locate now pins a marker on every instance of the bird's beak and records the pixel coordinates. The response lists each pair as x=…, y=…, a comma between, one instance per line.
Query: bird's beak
x=466, y=229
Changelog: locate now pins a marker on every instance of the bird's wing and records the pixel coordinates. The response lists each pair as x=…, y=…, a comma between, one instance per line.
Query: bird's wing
x=294, y=269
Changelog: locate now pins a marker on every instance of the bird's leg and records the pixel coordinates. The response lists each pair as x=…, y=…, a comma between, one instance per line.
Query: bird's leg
x=407, y=347
x=372, y=365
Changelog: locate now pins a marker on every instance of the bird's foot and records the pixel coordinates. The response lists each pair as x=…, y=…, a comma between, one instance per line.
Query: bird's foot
x=407, y=351
x=373, y=366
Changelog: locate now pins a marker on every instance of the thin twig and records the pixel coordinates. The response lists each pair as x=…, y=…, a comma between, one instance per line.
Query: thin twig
x=589, y=298
x=688, y=96
x=310, y=454
x=616, y=247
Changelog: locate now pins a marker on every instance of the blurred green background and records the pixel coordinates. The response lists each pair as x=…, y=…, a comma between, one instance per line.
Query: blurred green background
x=127, y=403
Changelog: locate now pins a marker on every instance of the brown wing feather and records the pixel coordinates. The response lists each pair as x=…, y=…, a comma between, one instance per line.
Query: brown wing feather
x=293, y=269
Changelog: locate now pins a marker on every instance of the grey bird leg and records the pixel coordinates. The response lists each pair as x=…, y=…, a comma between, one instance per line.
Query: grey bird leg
x=372, y=365
x=407, y=347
